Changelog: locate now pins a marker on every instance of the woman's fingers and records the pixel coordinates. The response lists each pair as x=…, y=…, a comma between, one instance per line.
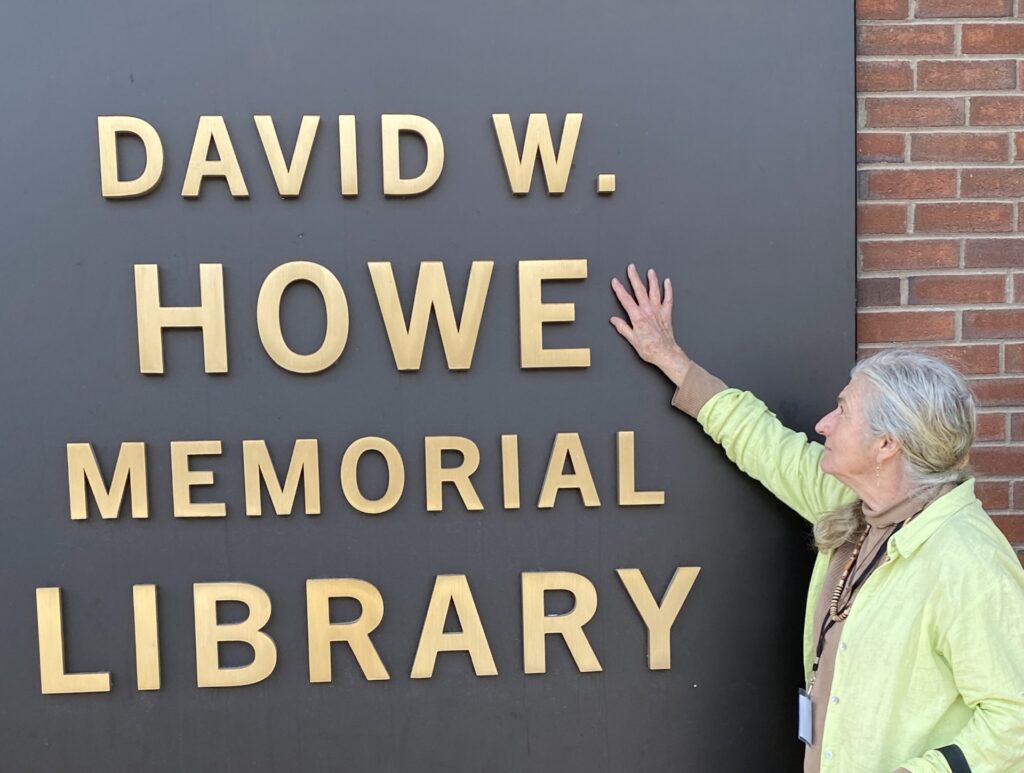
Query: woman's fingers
x=646, y=303
x=624, y=330
x=638, y=287
x=624, y=298
x=653, y=289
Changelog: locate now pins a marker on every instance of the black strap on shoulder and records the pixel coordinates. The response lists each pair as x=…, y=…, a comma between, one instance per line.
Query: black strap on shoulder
x=955, y=758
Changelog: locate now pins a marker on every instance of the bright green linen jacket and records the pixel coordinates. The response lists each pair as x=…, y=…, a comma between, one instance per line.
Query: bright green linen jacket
x=933, y=650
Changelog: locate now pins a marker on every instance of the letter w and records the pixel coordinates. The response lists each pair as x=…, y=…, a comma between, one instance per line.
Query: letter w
x=519, y=166
x=458, y=338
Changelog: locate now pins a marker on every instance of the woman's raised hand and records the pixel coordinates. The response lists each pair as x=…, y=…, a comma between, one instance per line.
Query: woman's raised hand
x=649, y=330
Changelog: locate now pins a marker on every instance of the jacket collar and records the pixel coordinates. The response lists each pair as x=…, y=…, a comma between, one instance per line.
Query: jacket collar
x=908, y=539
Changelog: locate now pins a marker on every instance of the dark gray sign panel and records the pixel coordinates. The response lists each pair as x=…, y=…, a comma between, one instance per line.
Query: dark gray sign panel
x=729, y=129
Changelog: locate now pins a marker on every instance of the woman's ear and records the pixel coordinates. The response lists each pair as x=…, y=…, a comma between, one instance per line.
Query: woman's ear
x=888, y=448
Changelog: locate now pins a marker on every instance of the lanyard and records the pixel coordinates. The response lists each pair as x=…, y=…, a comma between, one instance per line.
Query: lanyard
x=828, y=622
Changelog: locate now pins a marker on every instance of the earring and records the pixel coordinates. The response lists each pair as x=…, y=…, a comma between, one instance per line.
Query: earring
x=878, y=473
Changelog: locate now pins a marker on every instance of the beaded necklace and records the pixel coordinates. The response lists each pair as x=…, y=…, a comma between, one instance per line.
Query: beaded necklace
x=834, y=612
x=833, y=607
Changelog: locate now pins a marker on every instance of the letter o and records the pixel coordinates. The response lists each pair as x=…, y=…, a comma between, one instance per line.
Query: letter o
x=350, y=481
x=268, y=316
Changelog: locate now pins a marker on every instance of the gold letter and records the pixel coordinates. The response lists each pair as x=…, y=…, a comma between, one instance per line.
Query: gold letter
x=152, y=318
x=147, y=638
x=288, y=177
x=568, y=445
x=391, y=126
x=268, y=316
x=437, y=475
x=350, y=478
x=537, y=625
x=52, y=676
x=210, y=633
x=458, y=338
x=510, y=470
x=130, y=470
x=305, y=464
x=628, y=495
x=538, y=138
x=533, y=313
x=347, y=155
x=452, y=589
x=659, y=618
x=212, y=131
x=111, y=185
x=356, y=633
x=183, y=478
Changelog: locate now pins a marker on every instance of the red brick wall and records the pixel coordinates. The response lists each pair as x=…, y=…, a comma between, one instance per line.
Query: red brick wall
x=940, y=222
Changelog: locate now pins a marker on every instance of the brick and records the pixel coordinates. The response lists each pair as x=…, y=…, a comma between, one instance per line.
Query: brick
x=885, y=76
x=884, y=40
x=997, y=111
x=998, y=460
x=994, y=495
x=882, y=9
x=994, y=253
x=991, y=426
x=907, y=184
x=956, y=288
x=878, y=292
x=1017, y=427
x=874, y=147
x=1015, y=359
x=1018, y=142
x=992, y=39
x=1000, y=391
x=1018, y=288
x=994, y=323
x=963, y=218
x=887, y=326
x=881, y=218
x=1012, y=526
x=992, y=183
x=1017, y=487
x=887, y=112
x=959, y=147
x=951, y=9
x=966, y=75
x=970, y=359
x=922, y=253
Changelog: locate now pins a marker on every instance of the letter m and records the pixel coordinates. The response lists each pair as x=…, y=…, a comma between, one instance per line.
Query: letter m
x=84, y=472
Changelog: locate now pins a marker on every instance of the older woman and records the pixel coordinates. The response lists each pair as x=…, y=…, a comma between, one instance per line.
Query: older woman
x=914, y=629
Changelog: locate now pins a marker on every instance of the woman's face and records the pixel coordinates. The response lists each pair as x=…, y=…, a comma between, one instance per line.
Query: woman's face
x=851, y=454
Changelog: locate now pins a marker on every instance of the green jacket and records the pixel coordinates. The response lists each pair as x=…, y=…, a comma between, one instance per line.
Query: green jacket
x=933, y=650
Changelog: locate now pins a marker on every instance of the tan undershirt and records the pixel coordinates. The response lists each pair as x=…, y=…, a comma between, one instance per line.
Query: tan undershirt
x=699, y=386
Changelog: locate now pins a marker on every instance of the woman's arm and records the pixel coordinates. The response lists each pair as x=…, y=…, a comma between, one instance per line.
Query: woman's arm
x=753, y=438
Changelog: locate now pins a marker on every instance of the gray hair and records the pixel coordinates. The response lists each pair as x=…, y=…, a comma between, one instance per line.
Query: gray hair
x=927, y=407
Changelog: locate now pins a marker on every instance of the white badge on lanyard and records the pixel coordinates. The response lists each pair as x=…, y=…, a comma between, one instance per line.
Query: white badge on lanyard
x=805, y=725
